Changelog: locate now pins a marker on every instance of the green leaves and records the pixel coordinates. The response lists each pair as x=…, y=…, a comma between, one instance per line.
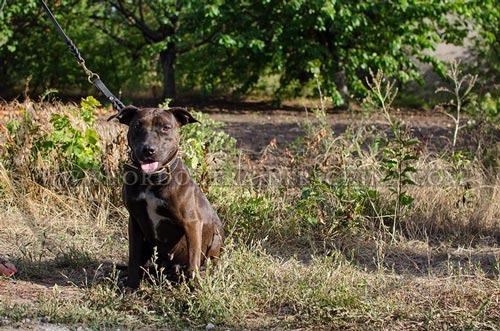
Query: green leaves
x=78, y=150
x=65, y=146
x=232, y=45
x=227, y=41
x=88, y=108
x=486, y=17
x=202, y=145
x=405, y=200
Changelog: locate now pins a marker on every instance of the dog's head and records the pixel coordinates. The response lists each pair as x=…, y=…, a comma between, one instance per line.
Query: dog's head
x=153, y=134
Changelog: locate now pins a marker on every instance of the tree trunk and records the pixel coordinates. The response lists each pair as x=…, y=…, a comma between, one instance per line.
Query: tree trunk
x=167, y=59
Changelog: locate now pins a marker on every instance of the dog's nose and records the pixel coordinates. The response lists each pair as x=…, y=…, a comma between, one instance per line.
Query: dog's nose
x=149, y=150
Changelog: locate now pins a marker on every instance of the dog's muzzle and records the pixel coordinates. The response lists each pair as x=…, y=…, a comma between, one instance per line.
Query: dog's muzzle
x=163, y=175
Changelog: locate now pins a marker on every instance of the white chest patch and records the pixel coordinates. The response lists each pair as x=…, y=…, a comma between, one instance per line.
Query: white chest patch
x=152, y=204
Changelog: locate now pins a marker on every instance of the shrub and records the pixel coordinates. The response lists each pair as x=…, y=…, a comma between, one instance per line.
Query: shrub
x=59, y=142
x=208, y=151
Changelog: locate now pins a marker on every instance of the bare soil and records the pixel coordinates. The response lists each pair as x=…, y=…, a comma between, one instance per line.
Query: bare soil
x=256, y=124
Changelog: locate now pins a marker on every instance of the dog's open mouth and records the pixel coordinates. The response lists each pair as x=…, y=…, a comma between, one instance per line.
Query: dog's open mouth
x=149, y=167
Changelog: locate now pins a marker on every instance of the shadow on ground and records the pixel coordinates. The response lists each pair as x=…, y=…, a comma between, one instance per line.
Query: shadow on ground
x=416, y=258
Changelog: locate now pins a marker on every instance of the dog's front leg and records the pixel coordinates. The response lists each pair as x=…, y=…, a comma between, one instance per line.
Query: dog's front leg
x=193, y=235
x=136, y=253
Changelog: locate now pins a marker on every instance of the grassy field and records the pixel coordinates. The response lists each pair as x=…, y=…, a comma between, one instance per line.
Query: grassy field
x=372, y=228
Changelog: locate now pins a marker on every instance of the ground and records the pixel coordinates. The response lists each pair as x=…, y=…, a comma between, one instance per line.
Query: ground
x=257, y=127
x=254, y=128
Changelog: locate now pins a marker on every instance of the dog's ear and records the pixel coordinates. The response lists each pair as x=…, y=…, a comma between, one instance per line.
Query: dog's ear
x=183, y=116
x=125, y=115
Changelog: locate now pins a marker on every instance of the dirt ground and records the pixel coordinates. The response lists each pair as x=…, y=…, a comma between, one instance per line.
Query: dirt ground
x=256, y=124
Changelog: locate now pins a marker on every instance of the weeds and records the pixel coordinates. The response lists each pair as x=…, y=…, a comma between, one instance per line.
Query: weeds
x=399, y=149
x=63, y=142
x=207, y=150
x=462, y=86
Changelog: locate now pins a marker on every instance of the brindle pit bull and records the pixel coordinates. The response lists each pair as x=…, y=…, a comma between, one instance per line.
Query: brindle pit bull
x=167, y=208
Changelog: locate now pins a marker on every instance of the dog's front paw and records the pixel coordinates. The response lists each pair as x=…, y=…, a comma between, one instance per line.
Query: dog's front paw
x=132, y=283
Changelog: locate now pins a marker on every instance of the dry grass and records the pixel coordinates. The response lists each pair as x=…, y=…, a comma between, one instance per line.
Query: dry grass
x=292, y=261
x=451, y=202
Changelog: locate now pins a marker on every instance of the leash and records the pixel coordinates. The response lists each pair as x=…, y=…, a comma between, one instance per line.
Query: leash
x=92, y=77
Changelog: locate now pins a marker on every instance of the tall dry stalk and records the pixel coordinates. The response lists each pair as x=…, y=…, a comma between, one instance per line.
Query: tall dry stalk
x=460, y=90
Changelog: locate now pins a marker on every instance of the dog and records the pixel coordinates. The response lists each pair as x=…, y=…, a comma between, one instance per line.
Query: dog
x=167, y=209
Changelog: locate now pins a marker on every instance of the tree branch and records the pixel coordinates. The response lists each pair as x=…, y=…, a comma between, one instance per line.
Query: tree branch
x=150, y=35
x=113, y=36
x=141, y=12
x=188, y=48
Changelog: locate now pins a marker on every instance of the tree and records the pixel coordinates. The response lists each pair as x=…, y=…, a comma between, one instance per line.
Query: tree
x=299, y=40
x=165, y=28
x=233, y=45
x=32, y=54
x=486, y=15
x=14, y=19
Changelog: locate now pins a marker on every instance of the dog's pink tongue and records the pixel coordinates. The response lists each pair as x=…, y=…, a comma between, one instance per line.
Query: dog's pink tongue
x=149, y=167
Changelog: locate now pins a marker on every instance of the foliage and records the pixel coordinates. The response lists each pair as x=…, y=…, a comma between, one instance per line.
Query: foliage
x=340, y=40
x=339, y=207
x=209, y=47
x=13, y=17
x=72, y=148
x=34, y=58
x=399, y=149
x=334, y=198
x=490, y=106
x=79, y=148
x=207, y=150
x=248, y=213
x=483, y=124
x=486, y=17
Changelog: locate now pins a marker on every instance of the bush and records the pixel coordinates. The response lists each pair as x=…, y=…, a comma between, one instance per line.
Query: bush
x=59, y=142
x=208, y=151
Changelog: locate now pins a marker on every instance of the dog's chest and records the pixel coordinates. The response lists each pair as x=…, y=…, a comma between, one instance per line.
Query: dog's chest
x=153, y=205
